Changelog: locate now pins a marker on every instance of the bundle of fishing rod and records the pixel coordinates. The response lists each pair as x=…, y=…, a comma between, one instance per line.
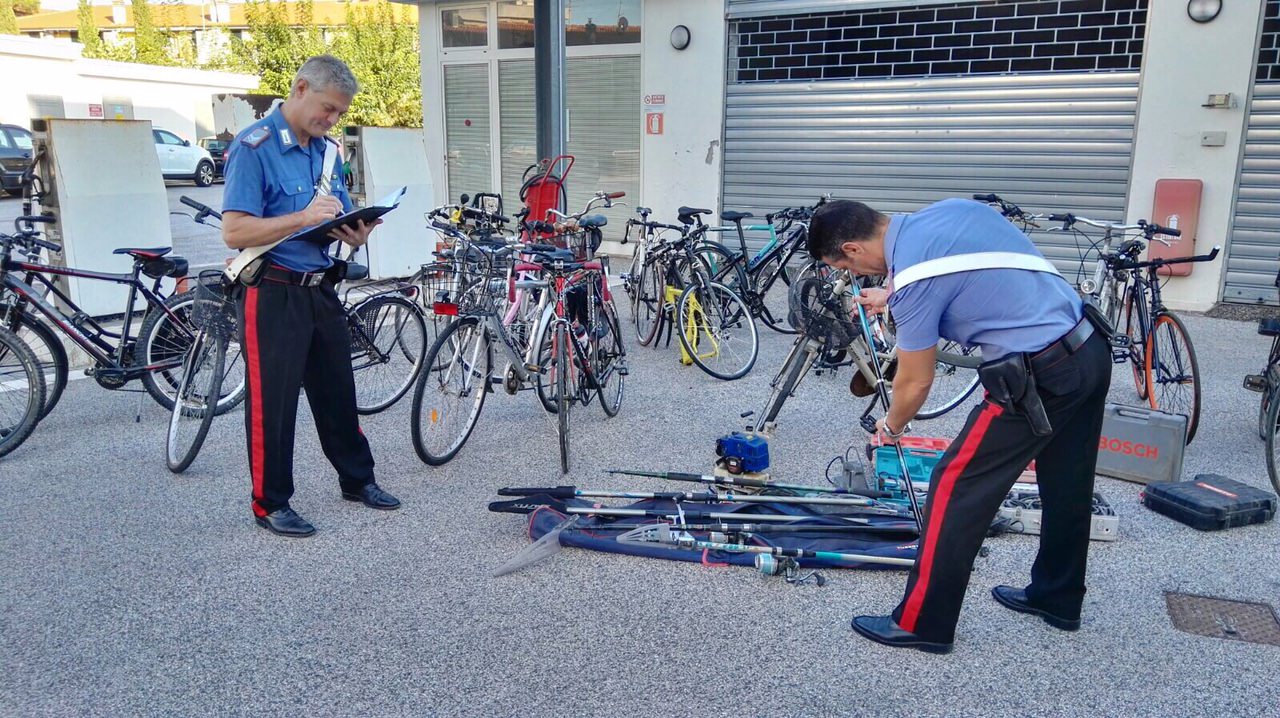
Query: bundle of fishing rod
x=781, y=529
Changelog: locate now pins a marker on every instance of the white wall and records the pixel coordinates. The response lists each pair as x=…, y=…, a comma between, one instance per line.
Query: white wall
x=1185, y=62
x=174, y=98
x=682, y=166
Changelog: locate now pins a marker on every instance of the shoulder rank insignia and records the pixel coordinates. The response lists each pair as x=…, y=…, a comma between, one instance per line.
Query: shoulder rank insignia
x=286, y=138
x=256, y=137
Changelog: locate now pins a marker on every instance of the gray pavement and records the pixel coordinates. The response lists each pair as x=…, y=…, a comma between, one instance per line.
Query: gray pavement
x=129, y=591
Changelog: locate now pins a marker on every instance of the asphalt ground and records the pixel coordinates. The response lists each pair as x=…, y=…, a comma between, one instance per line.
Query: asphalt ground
x=130, y=591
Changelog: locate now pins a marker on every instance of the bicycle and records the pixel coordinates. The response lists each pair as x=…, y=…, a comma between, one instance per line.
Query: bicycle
x=822, y=305
x=675, y=290
x=1268, y=384
x=21, y=390
x=214, y=316
x=1012, y=212
x=450, y=394
x=1154, y=340
x=753, y=276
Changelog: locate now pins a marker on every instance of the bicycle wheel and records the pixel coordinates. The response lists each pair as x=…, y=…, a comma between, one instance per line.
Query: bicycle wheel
x=1273, y=448
x=21, y=391
x=784, y=384
x=647, y=305
x=716, y=330
x=49, y=352
x=163, y=342
x=1137, y=353
x=564, y=392
x=1173, y=375
x=773, y=282
x=450, y=393
x=193, y=408
x=609, y=361
x=955, y=376
x=388, y=340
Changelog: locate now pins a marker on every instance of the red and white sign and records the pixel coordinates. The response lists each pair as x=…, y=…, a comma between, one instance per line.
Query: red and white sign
x=95, y=110
x=653, y=123
x=655, y=100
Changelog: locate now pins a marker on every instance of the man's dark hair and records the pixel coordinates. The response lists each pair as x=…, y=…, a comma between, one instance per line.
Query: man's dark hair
x=838, y=222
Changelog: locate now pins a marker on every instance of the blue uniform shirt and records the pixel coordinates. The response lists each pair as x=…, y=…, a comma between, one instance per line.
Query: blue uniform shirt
x=273, y=175
x=999, y=310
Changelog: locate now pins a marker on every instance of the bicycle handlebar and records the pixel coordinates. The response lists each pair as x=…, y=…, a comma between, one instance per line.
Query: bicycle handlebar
x=615, y=195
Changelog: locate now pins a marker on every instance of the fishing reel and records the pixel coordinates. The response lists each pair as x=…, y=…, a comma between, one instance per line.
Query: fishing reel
x=789, y=569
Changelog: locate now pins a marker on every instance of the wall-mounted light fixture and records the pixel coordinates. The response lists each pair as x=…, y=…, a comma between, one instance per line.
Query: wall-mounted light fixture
x=680, y=37
x=1203, y=11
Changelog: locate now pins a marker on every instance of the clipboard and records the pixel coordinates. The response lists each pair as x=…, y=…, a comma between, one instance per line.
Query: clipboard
x=319, y=234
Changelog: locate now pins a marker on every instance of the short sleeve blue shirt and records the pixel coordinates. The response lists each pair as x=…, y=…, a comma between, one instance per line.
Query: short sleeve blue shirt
x=269, y=174
x=999, y=310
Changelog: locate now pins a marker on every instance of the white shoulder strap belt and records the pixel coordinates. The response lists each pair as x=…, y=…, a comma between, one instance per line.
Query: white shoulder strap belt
x=247, y=256
x=970, y=262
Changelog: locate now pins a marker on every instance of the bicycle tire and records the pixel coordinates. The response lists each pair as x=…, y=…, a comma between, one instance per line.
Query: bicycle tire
x=191, y=416
x=1273, y=418
x=388, y=343
x=1137, y=353
x=797, y=365
x=160, y=342
x=469, y=363
x=609, y=362
x=1167, y=368
x=647, y=307
x=564, y=399
x=49, y=352
x=696, y=325
x=954, y=380
x=767, y=276
x=21, y=391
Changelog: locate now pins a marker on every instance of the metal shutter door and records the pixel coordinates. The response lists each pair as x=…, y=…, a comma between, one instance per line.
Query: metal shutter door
x=1255, y=235
x=466, y=127
x=518, y=128
x=604, y=133
x=1051, y=143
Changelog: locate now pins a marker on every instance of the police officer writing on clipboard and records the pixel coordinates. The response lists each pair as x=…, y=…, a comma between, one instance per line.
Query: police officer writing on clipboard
x=958, y=271
x=282, y=177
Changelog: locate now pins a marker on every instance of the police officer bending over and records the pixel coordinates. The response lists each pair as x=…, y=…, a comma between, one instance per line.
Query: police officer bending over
x=293, y=331
x=1046, y=370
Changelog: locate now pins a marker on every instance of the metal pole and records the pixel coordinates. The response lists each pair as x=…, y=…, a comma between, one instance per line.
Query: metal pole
x=549, y=77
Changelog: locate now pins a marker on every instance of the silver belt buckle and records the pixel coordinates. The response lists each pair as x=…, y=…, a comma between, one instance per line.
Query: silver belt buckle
x=312, y=279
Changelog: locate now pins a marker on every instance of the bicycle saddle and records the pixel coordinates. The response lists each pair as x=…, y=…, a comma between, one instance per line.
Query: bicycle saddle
x=1269, y=327
x=356, y=272
x=593, y=220
x=143, y=252
x=687, y=214
x=732, y=216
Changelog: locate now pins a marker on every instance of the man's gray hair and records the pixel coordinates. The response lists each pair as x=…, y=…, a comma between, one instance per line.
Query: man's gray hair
x=326, y=72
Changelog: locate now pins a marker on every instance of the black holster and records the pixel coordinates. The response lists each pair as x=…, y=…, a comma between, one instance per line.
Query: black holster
x=1011, y=384
x=251, y=275
x=1098, y=319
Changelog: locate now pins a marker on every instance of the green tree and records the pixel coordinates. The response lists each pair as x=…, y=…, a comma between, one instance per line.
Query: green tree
x=8, y=20
x=380, y=45
x=87, y=28
x=278, y=43
x=149, y=44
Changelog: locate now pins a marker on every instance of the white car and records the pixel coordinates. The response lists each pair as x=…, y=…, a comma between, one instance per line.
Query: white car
x=182, y=160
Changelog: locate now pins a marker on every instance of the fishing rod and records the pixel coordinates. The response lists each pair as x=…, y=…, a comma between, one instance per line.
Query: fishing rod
x=572, y=492
x=750, y=483
x=529, y=504
x=662, y=534
x=882, y=390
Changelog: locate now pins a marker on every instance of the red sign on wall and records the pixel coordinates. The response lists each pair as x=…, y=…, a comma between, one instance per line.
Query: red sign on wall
x=653, y=123
x=95, y=110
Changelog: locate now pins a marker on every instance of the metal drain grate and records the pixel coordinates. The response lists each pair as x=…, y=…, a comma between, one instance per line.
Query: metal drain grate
x=1223, y=618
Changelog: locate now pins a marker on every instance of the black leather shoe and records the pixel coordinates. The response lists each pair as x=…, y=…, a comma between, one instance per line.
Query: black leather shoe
x=372, y=496
x=1016, y=599
x=882, y=629
x=286, y=522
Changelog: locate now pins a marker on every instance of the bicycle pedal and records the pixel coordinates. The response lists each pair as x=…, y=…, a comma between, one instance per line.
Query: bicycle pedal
x=1121, y=341
x=1255, y=382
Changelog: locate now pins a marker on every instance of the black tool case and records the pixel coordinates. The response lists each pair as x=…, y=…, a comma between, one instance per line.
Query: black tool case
x=1210, y=502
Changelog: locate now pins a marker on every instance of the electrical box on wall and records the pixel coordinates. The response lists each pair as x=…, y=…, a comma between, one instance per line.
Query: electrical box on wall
x=1176, y=206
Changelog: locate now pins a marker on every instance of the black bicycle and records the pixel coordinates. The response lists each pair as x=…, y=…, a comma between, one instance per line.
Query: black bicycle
x=1268, y=383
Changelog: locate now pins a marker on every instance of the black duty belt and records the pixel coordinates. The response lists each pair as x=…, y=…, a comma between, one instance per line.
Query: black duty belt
x=288, y=276
x=1069, y=344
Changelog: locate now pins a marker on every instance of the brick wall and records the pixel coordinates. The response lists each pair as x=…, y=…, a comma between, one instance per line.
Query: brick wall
x=1269, y=49
x=1009, y=36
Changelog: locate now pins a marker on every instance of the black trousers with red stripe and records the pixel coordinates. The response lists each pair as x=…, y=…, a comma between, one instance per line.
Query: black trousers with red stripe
x=977, y=472
x=296, y=337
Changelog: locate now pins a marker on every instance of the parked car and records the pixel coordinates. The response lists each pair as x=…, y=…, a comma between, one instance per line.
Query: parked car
x=15, y=156
x=179, y=159
x=217, y=148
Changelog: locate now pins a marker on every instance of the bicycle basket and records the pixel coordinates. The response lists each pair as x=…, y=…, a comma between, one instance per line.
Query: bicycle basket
x=213, y=310
x=819, y=315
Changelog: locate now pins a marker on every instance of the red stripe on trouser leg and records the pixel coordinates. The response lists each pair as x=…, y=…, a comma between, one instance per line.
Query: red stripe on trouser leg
x=253, y=364
x=938, y=512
